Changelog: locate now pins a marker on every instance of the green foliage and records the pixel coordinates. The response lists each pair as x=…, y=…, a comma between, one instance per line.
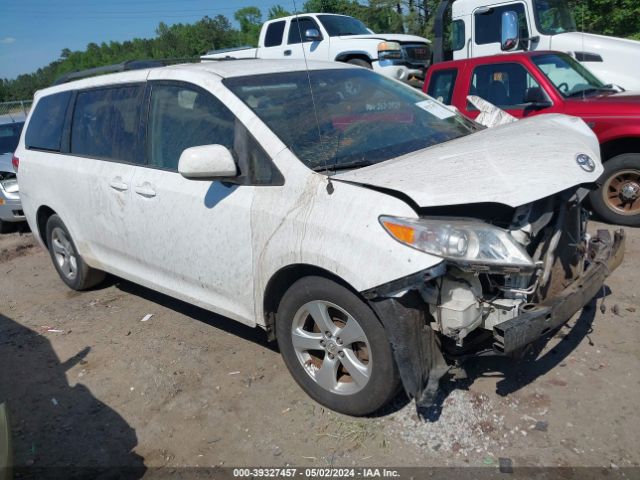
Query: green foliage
x=277, y=11
x=250, y=20
x=620, y=18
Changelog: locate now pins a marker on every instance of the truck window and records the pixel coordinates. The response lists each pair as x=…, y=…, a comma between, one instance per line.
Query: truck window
x=47, y=121
x=441, y=85
x=457, y=35
x=488, y=25
x=106, y=123
x=274, y=34
x=338, y=25
x=505, y=85
x=298, y=27
x=568, y=76
x=553, y=17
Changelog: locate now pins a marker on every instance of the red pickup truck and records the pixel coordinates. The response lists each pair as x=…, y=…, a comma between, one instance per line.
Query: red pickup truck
x=533, y=83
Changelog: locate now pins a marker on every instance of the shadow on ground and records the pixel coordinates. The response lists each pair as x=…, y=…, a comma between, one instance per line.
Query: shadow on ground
x=59, y=431
x=255, y=335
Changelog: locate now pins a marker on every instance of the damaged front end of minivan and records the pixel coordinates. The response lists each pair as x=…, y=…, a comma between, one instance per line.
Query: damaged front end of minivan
x=508, y=277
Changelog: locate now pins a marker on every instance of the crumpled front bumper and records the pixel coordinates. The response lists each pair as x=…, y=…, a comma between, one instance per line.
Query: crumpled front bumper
x=536, y=320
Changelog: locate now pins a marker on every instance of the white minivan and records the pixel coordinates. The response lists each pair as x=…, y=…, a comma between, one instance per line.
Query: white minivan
x=376, y=234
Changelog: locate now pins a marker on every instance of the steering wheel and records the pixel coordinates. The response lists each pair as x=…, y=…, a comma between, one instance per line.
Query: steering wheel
x=563, y=87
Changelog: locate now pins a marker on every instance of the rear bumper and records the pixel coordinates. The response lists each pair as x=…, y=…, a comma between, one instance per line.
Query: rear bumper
x=539, y=319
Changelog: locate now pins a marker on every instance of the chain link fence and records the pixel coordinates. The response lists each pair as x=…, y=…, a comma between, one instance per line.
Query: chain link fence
x=14, y=111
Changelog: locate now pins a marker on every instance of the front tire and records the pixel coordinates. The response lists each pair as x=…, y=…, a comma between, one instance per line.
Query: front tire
x=68, y=263
x=335, y=347
x=618, y=201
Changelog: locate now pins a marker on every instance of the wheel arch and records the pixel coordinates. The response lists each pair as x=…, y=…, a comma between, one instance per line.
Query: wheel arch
x=42, y=216
x=346, y=56
x=280, y=282
x=619, y=146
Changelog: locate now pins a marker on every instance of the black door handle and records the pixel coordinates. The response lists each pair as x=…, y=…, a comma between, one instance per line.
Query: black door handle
x=287, y=53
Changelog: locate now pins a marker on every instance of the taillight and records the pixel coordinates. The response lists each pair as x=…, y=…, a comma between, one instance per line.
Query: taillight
x=15, y=161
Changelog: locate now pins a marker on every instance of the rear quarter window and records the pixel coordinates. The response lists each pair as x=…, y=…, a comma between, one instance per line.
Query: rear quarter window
x=275, y=32
x=47, y=122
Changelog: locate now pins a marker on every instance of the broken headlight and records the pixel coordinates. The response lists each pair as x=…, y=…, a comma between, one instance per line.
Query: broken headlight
x=464, y=241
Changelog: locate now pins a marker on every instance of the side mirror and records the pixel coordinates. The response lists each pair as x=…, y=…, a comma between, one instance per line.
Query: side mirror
x=535, y=98
x=207, y=162
x=509, y=36
x=312, y=34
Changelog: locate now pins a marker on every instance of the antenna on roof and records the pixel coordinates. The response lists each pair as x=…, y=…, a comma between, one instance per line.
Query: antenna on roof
x=313, y=101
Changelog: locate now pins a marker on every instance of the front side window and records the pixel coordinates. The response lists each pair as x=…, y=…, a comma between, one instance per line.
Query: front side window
x=441, y=85
x=10, y=136
x=506, y=85
x=553, y=17
x=47, y=122
x=106, y=122
x=183, y=116
x=275, y=32
x=298, y=28
x=488, y=24
x=360, y=117
x=569, y=77
x=339, y=26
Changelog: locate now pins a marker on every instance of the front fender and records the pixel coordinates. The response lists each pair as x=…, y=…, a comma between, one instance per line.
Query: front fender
x=303, y=223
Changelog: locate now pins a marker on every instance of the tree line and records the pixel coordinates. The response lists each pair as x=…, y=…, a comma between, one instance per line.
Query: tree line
x=610, y=17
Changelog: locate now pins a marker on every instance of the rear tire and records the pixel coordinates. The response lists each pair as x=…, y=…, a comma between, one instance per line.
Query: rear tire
x=335, y=347
x=360, y=62
x=618, y=200
x=69, y=264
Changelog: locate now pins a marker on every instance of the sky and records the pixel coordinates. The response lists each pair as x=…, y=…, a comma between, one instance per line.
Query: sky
x=34, y=32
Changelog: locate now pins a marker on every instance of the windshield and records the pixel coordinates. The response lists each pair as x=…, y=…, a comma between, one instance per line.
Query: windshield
x=10, y=136
x=554, y=16
x=337, y=25
x=361, y=117
x=569, y=77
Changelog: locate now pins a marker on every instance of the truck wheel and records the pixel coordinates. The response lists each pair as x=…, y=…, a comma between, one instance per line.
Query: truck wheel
x=618, y=201
x=335, y=347
x=360, y=62
x=72, y=269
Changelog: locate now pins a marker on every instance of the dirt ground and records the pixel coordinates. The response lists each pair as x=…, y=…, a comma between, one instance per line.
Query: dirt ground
x=89, y=383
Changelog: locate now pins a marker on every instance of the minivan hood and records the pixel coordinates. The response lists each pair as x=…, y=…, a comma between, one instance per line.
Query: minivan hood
x=512, y=164
x=390, y=37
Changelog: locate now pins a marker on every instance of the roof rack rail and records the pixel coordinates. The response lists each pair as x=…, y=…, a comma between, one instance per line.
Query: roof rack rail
x=121, y=67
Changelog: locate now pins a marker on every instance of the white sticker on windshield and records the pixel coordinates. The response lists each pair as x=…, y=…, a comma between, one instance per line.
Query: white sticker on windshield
x=435, y=109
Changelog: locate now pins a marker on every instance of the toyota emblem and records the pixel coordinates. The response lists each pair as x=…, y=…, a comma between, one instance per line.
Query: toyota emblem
x=586, y=162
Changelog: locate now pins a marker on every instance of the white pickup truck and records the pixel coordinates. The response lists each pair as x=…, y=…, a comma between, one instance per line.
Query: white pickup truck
x=321, y=36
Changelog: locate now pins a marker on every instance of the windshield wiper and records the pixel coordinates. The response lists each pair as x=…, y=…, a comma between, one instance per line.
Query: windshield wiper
x=350, y=166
